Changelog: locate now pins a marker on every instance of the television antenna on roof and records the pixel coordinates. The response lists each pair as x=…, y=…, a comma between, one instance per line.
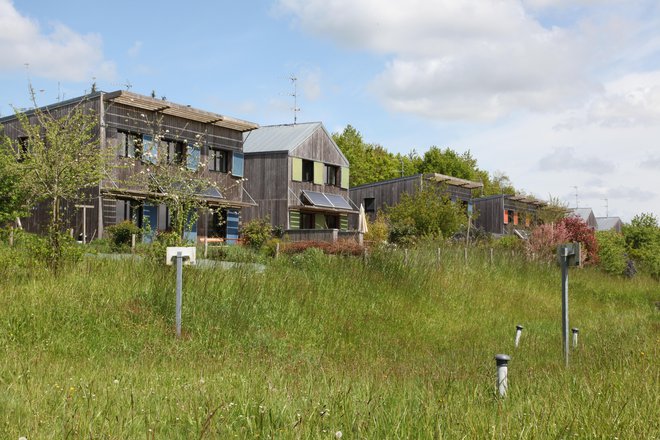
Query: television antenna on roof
x=576, y=196
x=607, y=207
x=295, y=108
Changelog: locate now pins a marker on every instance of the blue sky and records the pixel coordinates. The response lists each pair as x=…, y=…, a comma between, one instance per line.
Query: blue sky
x=554, y=93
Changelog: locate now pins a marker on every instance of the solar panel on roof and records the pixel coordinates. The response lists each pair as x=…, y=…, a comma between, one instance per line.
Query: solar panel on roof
x=318, y=199
x=338, y=201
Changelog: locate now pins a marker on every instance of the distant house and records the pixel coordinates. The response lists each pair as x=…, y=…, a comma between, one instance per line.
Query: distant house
x=125, y=128
x=298, y=177
x=506, y=214
x=609, y=224
x=587, y=215
x=379, y=195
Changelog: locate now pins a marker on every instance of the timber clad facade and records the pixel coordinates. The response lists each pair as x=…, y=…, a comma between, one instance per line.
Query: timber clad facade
x=378, y=196
x=504, y=214
x=298, y=178
x=128, y=124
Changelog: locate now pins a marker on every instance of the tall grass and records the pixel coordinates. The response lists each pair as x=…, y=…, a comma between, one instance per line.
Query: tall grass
x=384, y=348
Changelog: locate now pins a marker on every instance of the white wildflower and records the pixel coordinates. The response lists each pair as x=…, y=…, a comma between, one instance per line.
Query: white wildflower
x=338, y=434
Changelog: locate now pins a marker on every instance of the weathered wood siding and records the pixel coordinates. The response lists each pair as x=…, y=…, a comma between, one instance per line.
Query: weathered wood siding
x=266, y=175
x=319, y=147
x=489, y=214
x=385, y=194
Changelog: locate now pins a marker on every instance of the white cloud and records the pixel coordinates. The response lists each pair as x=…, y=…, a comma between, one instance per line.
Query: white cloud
x=562, y=159
x=134, y=50
x=61, y=54
x=478, y=60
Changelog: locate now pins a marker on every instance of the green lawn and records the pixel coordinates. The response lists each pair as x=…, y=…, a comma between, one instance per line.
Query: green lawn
x=315, y=345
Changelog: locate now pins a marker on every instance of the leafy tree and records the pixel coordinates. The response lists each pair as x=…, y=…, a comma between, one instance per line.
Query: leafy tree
x=57, y=161
x=642, y=238
x=553, y=212
x=13, y=198
x=579, y=231
x=612, y=252
x=426, y=214
x=449, y=162
x=257, y=232
x=545, y=238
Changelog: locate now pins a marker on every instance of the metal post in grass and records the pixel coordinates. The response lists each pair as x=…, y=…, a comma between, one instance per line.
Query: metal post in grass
x=465, y=255
x=11, y=237
x=206, y=247
x=502, y=363
x=179, y=289
x=569, y=255
x=405, y=256
x=133, y=237
x=277, y=250
x=438, y=256
x=519, y=329
x=575, y=331
x=492, y=259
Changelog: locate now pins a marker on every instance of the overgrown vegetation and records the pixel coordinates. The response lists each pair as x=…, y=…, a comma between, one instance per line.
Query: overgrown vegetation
x=386, y=347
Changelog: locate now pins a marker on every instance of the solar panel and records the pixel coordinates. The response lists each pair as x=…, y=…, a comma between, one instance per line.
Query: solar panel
x=338, y=201
x=318, y=199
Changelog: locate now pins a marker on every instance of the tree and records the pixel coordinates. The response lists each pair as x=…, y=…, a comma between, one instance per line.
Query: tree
x=642, y=238
x=426, y=214
x=579, y=231
x=58, y=159
x=553, y=212
x=13, y=198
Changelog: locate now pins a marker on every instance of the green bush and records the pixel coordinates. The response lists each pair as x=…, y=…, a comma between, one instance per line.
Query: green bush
x=612, y=252
x=121, y=234
x=256, y=232
x=642, y=238
x=509, y=242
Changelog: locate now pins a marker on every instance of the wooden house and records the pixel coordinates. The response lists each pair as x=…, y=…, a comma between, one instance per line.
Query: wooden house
x=128, y=123
x=609, y=224
x=379, y=195
x=298, y=178
x=506, y=214
x=587, y=215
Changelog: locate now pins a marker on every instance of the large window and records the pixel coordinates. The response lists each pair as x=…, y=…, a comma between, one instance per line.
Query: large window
x=332, y=221
x=219, y=160
x=176, y=152
x=306, y=220
x=331, y=173
x=307, y=171
x=129, y=144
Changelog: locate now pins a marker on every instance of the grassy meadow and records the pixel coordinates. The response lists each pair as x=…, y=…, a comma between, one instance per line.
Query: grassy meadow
x=316, y=345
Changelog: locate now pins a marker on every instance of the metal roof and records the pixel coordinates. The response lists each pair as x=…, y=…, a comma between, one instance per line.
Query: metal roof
x=455, y=181
x=282, y=138
x=607, y=223
x=181, y=111
x=583, y=213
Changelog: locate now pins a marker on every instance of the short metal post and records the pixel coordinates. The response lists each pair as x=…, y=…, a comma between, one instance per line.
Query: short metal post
x=133, y=243
x=11, y=237
x=575, y=331
x=492, y=260
x=206, y=247
x=519, y=329
x=502, y=362
x=465, y=254
x=277, y=250
x=438, y=256
x=179, y=288
x=405, y=256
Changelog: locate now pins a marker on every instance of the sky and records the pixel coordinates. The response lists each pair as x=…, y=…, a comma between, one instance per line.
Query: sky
x=563, y=96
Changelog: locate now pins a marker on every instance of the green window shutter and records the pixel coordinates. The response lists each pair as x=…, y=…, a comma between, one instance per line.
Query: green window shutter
x=343, y=222
x=296, y=169
x=294, y=219
x=318, y=173
x=344, y=177
x=319, y=221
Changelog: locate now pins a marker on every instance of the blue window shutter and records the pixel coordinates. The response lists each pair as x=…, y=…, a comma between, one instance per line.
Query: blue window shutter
x=237, y=165
x=193, y=154
x=232, y=226
x=149, y=149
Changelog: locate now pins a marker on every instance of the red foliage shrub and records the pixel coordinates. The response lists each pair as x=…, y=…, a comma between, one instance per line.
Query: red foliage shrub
x=544, y=240
x=341, y=247
x=579, y=231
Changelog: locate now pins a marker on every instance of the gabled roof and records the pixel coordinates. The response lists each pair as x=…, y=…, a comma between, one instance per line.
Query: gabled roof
x=607, y=223
x=583, y=213
x=282, y=138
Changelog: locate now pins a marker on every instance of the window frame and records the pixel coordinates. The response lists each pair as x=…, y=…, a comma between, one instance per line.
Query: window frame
x=213, y=160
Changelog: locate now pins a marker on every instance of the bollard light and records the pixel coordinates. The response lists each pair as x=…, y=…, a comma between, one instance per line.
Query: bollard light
x=575, y=331
x=519, y=329
x=502, y=362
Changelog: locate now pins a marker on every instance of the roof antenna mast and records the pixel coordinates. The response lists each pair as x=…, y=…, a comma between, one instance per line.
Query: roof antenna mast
x=295, y=99
x=576, y=196
x=607, y=208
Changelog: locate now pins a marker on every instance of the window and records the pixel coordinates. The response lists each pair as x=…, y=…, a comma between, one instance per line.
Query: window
x=175, y=151
x=331, y=172
x=218, y=223
x=219, y=160
x=193, y=156
x=306, y=220
x=129, y=144
x=307, y=171
x=369, y=204
x=332, y=221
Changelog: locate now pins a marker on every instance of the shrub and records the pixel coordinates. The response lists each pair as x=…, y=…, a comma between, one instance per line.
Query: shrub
x=612, y=252
x=544, y=239
x=121, y=234
x=256, y=232
x=378, y=230
x=340, y=247
x=642, y=238
x=579, y=231
x=509, y=242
